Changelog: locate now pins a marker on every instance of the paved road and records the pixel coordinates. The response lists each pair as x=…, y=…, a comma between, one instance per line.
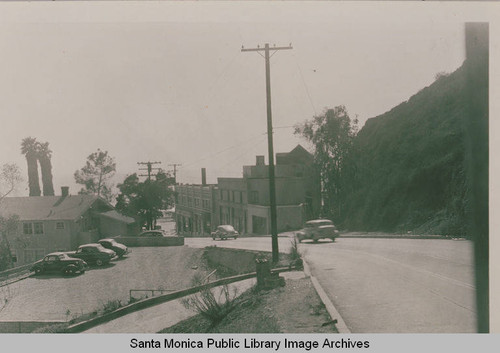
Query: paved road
x=389, y=285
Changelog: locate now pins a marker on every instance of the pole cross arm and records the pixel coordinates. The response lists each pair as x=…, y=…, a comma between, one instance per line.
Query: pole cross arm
x=270, y=48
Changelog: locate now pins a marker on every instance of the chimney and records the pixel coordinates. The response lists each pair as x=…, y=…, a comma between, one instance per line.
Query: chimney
x=203, y=176
x=260, y=160
x=64, y=191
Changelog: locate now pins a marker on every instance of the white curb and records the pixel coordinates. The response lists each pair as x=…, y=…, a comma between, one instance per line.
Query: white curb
x=334, y=314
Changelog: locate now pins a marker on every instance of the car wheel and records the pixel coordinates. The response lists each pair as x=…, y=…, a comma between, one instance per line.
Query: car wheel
x=38, y=270
x=99, y=262
x=235, y=237
x=69, y=271
x=213, y=238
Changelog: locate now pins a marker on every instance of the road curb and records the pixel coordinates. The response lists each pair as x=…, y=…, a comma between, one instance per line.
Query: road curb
x=334, y=314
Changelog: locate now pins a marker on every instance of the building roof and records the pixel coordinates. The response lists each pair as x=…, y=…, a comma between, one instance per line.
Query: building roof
x=299, y=155
x=117, y=216
x=41, y=208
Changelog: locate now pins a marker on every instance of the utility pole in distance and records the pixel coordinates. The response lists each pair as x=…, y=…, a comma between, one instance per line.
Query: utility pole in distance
x=149, y=168
x=175, y=165
x=148, y=190
x=272, y=188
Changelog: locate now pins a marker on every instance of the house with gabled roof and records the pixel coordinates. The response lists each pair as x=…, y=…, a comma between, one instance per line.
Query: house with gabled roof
x=60, y=223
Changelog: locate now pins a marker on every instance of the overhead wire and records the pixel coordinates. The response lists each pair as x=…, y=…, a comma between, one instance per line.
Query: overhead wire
x=304, y=83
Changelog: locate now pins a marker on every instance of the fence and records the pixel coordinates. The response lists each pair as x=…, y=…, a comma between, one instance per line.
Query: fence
x=14, y=274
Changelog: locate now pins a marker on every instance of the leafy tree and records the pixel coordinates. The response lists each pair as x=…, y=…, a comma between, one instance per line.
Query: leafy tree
x=10, y=175
x=29, y=147
x=95, y=175
x=332, y=134
x=6, y=225
x=145, y=200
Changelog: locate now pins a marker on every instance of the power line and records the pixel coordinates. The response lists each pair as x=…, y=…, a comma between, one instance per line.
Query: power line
x=305, y=85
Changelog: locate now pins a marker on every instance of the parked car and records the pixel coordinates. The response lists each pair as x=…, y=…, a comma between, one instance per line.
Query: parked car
x=59, y=262
x=152, y=233
x=225, y=231
x=318, y=229
x=93, y=254
x=120, y=249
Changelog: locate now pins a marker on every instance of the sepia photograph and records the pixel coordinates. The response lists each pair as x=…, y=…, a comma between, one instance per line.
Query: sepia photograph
x=202, y=167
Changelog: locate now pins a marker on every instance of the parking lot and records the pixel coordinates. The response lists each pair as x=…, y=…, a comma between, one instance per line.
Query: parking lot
x=55, y=297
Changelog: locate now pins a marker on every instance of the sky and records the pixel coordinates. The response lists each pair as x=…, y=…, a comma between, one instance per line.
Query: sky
x=168, y=82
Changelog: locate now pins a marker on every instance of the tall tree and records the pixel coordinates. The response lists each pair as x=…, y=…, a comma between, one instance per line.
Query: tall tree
x=29, y=148
x=332, y=134
x=95, y=175
x=10, y=175
x=145, y=200
x=7, y=225
x=44, y=156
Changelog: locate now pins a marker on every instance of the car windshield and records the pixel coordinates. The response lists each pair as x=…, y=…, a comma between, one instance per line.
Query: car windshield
x=319, y=223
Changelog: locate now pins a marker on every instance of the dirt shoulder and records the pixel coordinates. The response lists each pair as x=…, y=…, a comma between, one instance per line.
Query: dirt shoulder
x=293, y=308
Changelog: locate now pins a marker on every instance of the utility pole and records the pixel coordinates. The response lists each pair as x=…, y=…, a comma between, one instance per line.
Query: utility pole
x=272, y=187
x=175, y=165
x=149, y=168
x=148, y=187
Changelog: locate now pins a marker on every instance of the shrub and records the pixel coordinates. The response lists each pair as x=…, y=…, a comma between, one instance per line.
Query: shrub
x=214, y=304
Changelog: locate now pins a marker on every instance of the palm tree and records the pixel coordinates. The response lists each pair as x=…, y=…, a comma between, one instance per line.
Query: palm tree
x=44, y=155
x=29, y=149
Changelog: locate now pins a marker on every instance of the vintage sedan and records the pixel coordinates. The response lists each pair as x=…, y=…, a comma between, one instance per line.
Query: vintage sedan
x=318, y=229
x=225, y=231
x=59, y=262
x=93, y=254
x=120, y=249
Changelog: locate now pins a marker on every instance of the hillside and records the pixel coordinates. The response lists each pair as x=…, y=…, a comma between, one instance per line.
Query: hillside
x=410, y=164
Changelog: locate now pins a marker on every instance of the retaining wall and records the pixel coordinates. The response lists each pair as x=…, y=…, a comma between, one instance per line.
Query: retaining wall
x=150, y=241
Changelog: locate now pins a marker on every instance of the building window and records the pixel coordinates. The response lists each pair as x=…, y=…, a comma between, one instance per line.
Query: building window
x=254, y=196
x=59, y=225
x=27, y=228
x=38, y=227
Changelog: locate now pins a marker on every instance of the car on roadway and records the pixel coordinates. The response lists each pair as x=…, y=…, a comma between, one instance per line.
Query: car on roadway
x=152, y=233
x=111, y=244
x=225, y=231
x=93, y=254
x=318, y=229
x=59, y=262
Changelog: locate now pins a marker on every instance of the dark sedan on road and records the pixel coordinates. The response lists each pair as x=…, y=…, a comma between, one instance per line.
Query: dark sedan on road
x=93, y=254
x=120, y=249
x=59, y=262
x=224, y=232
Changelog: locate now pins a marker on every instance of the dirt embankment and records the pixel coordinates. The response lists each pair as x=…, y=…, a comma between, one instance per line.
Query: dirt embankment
x=294, y=308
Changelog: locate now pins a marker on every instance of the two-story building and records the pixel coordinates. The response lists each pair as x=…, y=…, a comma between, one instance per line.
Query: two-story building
x=60, y=223
x=195, y=208
x=297, y=186
x=245, y=202
x=232, y=205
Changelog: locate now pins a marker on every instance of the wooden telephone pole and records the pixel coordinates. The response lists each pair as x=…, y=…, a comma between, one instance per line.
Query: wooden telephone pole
x=272, y=187
x=149, y=165
x=175, y=165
